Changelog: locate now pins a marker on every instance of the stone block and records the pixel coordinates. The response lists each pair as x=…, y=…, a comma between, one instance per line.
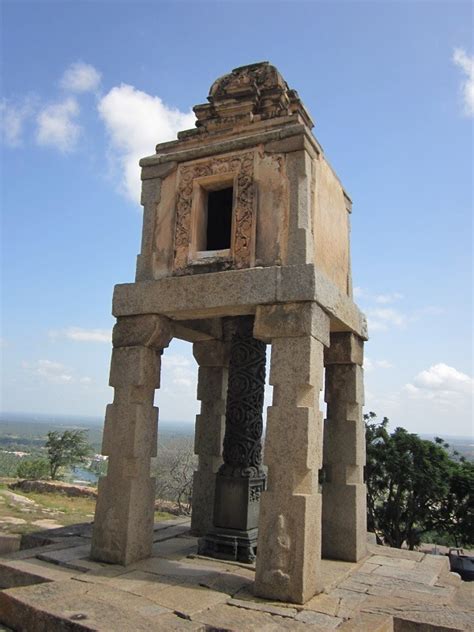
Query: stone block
x=299, y=430
x=9, y=543
x=233, y=292
x=123, y=529
x=211, y=353
x=212, y=383
x=130, y=430
x=344, y=519
x=344, y=385
x=204, y=485
x=344, y=442
x=296, y=363
x=158, y=171
x=289, y=547
x=147, y=330
x=134, y=366
x=291, y=320
x=345, y=348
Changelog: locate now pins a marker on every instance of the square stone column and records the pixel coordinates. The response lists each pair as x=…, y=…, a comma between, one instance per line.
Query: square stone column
x=123, y=525
x=289, y=544
x=344, y=491
x=213, y=359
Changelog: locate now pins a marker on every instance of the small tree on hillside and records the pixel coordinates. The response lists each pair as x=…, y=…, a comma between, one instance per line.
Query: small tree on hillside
x=66, y=449
x=408, y=480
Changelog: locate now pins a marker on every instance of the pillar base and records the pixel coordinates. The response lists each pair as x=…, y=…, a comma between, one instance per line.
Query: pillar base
x=230, y=544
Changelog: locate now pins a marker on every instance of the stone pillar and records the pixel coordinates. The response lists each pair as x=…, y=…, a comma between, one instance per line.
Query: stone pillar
x=289, y=545
x=344, y=491
x=241, y=478
x=123, y=526
x=213, y=358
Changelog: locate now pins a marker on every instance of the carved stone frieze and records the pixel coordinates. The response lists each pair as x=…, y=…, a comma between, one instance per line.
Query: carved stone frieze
x=241, y=167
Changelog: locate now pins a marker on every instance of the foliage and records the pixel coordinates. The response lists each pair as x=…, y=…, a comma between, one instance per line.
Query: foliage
x=174, y=473
x=8, y=464
x=408, y=482
x=33, y=469
x=456, y=513
x=66, y=449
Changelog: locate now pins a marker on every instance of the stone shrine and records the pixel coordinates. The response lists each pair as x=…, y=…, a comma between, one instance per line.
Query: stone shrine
x=246, y=243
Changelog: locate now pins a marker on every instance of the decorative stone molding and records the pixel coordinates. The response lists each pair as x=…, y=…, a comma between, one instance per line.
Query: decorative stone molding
x=247, y=94
x=241, y=168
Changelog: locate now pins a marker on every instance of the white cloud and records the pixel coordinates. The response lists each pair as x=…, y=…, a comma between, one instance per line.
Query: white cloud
x=83, y=335
x=135, y=121
x=388, y=298
x=466, y=64
x=441, y=383
x=12, y=120
x=49, y=371
x=383, y=318
x=80, y=77
x=54, y=372
x=57, y=127
x=180, y=371
x=370, y=365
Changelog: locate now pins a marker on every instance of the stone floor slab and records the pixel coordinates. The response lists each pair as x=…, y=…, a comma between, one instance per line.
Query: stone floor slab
x=188, y=600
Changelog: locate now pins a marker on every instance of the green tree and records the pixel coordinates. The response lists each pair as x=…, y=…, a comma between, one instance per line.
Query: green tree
x=408, y=479
x=66, y=449
x=455, y=517
x=33, y=469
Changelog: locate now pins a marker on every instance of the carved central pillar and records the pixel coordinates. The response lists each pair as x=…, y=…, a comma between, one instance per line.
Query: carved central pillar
x=241, y=478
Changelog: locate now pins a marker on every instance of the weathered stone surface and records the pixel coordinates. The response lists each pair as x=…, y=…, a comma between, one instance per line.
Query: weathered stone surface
x=386, y=551
x=9, y=543
x=365, y=622
x=236, y=619
x=291, y=320
x=71, y=605
x=237, y=292
x=288, y=562
x=385, y=560
x=213, y=359
x=345, y=348
x=326, y=621
x=142, y=331
x=188, y=600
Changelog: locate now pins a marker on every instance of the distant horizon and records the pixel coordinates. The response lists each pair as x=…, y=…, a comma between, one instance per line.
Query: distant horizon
x=41, y=418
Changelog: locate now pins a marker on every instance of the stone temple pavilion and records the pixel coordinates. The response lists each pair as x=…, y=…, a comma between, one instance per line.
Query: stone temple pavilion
x=245, y=245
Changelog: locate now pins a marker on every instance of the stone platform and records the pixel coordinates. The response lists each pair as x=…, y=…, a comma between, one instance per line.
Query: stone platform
x=54, y=586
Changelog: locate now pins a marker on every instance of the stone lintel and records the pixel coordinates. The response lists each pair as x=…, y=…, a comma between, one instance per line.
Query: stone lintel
x=198, y=330
x=237, y=292
x=345, y=348
x=144, y=330
x=211, y=353
x=291, y=320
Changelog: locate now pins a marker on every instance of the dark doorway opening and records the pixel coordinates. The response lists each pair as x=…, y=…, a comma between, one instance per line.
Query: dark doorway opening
x=219, y=219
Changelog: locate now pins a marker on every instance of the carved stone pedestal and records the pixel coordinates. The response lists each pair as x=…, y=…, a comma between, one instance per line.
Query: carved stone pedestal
x=241, y=479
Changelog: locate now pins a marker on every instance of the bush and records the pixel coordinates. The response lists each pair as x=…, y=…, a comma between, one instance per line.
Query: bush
x=33, y=469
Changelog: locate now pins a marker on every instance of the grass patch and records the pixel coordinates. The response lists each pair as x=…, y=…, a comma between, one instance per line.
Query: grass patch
x=17, y=517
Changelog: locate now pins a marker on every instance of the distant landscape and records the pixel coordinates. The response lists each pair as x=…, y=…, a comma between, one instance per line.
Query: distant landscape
x=26, y=432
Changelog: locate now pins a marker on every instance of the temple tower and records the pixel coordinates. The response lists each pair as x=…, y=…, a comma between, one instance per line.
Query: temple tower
x=245, y=244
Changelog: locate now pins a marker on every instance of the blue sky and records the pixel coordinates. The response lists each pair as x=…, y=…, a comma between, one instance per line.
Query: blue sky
x=89, y=87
